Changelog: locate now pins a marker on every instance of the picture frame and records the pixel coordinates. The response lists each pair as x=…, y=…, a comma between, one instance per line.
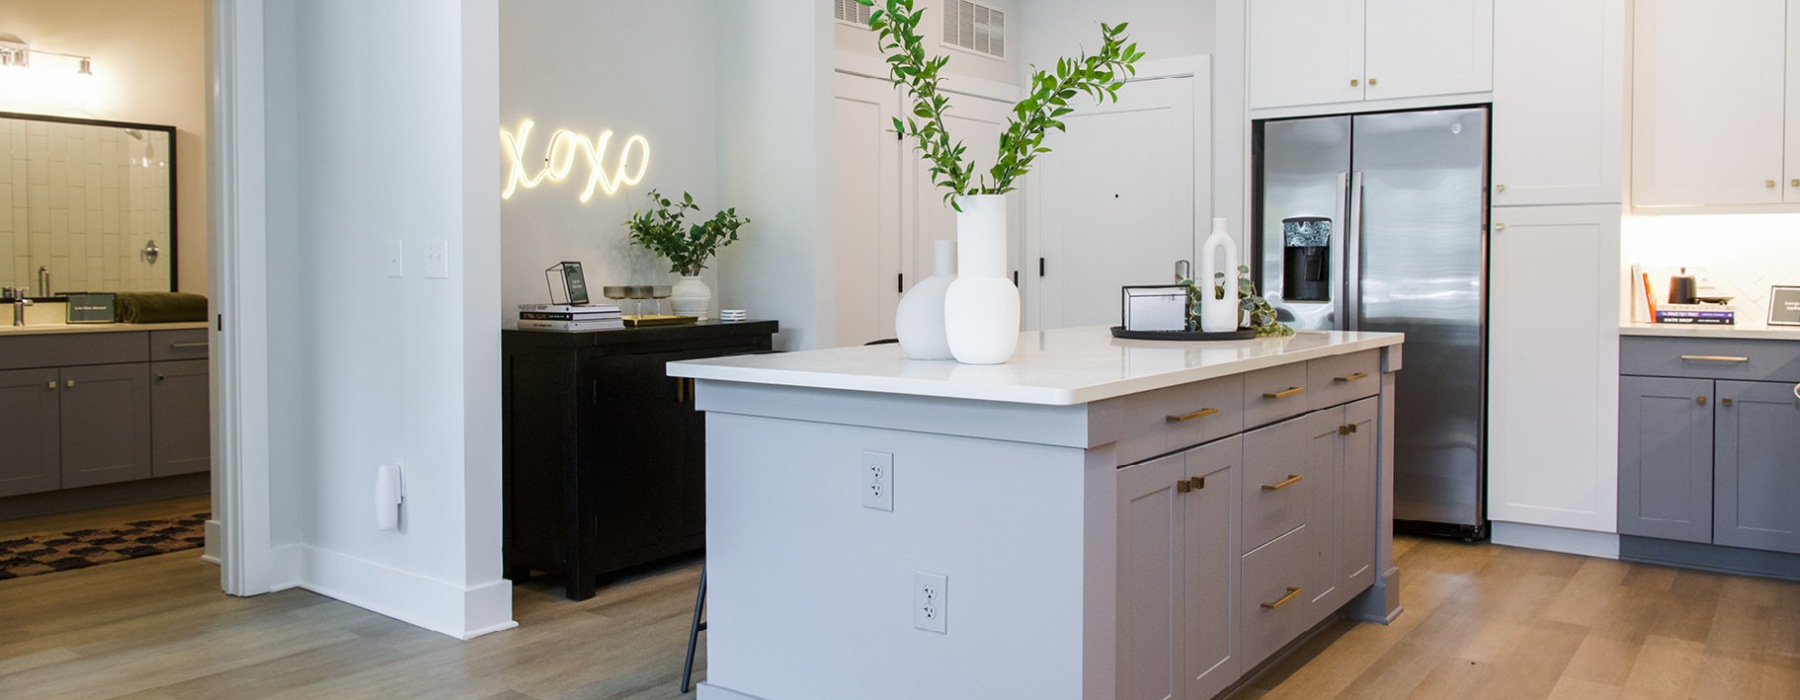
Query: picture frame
x=1784, y=305
x=572, y=281
x=1161, y=307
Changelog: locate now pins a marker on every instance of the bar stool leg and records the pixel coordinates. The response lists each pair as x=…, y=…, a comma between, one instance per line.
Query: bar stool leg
x=694, y=630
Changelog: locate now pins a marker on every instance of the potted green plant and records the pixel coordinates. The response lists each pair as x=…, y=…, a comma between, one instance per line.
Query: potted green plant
x=663, y=229
x=981, y=307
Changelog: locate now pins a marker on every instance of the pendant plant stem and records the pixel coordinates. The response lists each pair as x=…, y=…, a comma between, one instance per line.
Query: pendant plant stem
x=1099, y=75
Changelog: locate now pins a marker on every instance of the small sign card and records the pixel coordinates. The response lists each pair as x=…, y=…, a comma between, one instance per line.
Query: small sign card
x=1159, y=308
x=1784, y=306
x=91, y=308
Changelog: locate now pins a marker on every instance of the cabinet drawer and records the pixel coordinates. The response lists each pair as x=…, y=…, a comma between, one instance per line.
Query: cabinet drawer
x=1334, y=380
x=1179, y=417
x=1274, y=393
x=1711, y=358
x=1273, y=604
x=27, y=351
x=1274, y=488
x=190, y=344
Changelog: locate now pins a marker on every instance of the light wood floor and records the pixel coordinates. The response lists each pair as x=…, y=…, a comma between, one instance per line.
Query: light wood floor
x=1481, y=621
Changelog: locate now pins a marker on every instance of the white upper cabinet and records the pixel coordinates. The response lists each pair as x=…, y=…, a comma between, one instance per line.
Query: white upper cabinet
x=1791, y=188
x=1307, y=52
x=1559, y=102
x=1708, y=83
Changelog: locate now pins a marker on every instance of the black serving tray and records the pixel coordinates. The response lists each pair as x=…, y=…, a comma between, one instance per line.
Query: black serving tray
x=1244, y=334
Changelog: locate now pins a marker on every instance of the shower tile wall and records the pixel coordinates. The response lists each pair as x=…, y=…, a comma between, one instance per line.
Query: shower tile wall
x=82, y=201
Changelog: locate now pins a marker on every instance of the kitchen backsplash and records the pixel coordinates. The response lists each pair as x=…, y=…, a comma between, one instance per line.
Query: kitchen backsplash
x=1740, y=255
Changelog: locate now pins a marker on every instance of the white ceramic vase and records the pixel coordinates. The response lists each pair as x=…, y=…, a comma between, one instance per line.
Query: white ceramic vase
x=692, y=296
x=1218, y=315
x=981, y=308
x=919, y=322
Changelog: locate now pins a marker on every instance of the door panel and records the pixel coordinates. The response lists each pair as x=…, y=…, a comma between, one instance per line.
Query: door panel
x=1211, y=568
x=29, y=434
x=1305, y=52
x=1304, y=172
x=1561, y=88
x=1416, y=48
x=180, y=418
x=1359, y=494
x=1756, y=469
x=865, y=211
x=1151, y=602
x=1666, y=458
x=105, y=424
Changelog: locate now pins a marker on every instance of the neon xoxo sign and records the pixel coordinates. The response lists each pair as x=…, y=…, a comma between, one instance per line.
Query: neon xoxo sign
x=566, y=147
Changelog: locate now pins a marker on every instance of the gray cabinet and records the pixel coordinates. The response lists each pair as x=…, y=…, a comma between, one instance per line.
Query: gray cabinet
x=1756, y=466
x=180, y=418
x=1211, y=568
x=1665, y=458
x=29, y=437
x=105, y=415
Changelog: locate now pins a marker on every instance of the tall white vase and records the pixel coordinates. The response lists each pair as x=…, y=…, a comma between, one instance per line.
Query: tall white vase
x=919, y=322
x=981, y=308
x=1218, y=315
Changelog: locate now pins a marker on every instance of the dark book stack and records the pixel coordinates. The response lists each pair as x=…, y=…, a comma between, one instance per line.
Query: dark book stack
x=567, y=318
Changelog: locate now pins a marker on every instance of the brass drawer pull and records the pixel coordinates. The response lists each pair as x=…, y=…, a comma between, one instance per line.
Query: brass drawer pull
x=1183, y=486
x=1353, y=377
x=1346, y=429
x=1291, y=480
x=1197, y=482
x=1714, y=358
x=1284, y=394
x=1292, y=591
x=1185, y=417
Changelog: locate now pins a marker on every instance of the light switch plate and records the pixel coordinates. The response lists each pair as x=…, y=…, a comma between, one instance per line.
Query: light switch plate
x=396, y=255
x=437, y=259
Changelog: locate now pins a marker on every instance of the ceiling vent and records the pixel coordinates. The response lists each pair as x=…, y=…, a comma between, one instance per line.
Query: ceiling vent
x=974, y=27
x=852, y=13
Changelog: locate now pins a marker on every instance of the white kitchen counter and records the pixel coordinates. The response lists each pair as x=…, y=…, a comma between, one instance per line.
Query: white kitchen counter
x=1742, y=331
x=63, y=329
x=1062, y=367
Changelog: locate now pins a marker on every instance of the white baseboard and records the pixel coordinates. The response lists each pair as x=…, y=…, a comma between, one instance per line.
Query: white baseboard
x=214, y=541
x=1588, y=543
x=708, y=691
x=463, y=613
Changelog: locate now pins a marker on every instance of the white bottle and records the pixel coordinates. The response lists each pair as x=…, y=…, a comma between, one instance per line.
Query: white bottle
x=1218, y=315
x=919, y=322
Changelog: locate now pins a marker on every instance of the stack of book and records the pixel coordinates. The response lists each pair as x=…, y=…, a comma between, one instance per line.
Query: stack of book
x=565, y=318
x=1696, y=313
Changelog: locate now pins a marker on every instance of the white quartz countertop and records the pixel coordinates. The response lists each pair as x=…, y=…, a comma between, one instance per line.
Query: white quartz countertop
x=66, y=328
x=1742, y=331
x=1061, y=367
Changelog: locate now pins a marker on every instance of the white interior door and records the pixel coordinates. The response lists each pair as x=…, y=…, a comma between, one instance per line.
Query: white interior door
x=865, y=238
x=1115, y=204
x=977, y=123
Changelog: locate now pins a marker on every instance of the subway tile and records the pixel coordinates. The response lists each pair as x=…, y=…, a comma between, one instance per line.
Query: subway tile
x=95, y=279
x=37, y=203
x=57, y=146
x=59, y=229
x=59, y=185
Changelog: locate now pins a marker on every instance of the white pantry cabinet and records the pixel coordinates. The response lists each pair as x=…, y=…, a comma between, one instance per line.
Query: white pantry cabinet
x=1708, y=101
x=1559, y=102
x=1306, y=52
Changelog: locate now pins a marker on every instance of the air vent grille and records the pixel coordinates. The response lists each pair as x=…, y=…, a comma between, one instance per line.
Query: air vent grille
x=975, y=27
x=852, y=12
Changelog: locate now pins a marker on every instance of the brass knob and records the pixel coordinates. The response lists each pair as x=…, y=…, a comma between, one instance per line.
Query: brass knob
x=1499, y=227
x=1700, y=400
x=1183, y=486
x=52, y=384
x=1499, y=188
x=1371, y=82
x=1769, y=184
x=1354, y=82
x=1725, y=402
x=1794, y=182
x=70, y=383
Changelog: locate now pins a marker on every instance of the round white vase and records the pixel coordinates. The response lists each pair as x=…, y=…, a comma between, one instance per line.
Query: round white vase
x=692, y=297
x=981, y=308
x=919, y=321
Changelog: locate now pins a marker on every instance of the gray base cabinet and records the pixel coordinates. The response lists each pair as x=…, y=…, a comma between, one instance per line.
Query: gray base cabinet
x=105, y=424
x=1709, y=430
x=29, y=432
x=180, y=418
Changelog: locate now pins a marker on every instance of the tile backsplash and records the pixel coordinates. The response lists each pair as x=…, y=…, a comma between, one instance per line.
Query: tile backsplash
x=1742, y=255
x=83, y=201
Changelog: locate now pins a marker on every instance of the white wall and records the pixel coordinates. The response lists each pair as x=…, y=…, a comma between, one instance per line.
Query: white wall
x=631, y=67
x=1161, y=28
x=962, y=63
x=149, y=67
x=775, y=61
x=383, y=123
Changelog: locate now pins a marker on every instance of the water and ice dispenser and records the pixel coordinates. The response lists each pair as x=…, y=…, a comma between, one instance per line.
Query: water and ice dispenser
x=1306, y=259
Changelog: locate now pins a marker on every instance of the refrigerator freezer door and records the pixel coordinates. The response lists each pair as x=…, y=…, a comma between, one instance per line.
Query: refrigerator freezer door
x=1303, y=169
x=1420, y=247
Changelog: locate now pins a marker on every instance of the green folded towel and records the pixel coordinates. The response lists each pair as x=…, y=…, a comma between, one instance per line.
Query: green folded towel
x=159, y=307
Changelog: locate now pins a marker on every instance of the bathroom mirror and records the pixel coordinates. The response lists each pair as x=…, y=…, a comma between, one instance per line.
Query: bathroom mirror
x=88, y=205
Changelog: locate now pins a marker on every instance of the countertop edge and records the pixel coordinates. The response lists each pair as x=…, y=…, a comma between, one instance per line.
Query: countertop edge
x=1665, y=330
x=78, y=329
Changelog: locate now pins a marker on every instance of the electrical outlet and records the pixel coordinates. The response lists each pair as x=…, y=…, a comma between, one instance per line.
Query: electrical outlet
x=437, y=259
x=395, y=257
x=878, y=480
x=931, y=601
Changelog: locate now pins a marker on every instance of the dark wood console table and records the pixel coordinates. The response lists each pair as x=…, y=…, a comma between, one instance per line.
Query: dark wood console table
x=605, y=456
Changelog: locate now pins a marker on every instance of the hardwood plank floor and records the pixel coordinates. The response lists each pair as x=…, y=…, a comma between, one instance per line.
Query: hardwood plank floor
x=1481, y=621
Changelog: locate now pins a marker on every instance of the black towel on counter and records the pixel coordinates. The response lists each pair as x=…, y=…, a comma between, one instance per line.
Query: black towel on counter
x=159, y=307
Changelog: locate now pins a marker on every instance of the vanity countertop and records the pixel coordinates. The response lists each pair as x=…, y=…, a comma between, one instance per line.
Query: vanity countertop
x=71, y=328
x=1742, y=331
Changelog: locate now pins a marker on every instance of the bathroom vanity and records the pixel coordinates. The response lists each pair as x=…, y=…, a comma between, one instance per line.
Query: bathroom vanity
x=100, y=414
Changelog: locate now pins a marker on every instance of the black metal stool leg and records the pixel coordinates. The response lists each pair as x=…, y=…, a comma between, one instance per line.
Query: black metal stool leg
x=694, y=630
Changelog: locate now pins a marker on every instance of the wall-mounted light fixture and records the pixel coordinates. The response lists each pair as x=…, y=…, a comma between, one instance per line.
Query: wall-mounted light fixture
x=17, y=54
x=560, y=157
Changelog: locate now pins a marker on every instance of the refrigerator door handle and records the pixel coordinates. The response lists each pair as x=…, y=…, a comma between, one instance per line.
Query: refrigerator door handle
x=1339, y=307
x=1353, y=258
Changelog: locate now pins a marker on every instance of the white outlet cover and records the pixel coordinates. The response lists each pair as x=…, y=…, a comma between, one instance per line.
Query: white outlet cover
x=396, y=256
x=876, y=472
x=931, y=601
x=437, y=259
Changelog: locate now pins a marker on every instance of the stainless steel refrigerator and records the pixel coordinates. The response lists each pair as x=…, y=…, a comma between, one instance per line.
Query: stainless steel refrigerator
x=1378, y=222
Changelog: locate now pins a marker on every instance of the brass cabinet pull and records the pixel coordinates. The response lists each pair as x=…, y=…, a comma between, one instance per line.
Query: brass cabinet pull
x=1346, y=429
x=1500, y=227
x=186, y=346
x=1353, y=377
x=1284, y=394
x=1371, y=82
x=1700, y=400
x=1198, y=482
x=1183, y=486
x=1725, y=402
x=1794, y=182
x=69, y=383
x=1769, y=184
x=1354, y=82
x=1292, y=591
x=52, y=385
x=1714, y=358
x=1499, y=188
x=1291, y=480
x=1185, y=417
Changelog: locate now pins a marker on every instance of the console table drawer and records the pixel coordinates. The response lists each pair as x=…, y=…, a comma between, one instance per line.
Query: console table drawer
x=67, y=350
x=1711, y=358
x=1274, y=484
x=1274, y=393
x=1273, y=603
x=1334, y=380
x=1179, y=417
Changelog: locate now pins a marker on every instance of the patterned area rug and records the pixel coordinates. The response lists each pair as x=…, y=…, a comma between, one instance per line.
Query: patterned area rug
x=42, y=554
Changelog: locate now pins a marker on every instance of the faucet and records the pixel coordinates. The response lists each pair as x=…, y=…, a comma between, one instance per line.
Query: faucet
x=19, y=303
x=44, y=280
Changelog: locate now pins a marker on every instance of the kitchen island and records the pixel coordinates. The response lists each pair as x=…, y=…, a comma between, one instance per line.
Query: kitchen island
x=1097, y=518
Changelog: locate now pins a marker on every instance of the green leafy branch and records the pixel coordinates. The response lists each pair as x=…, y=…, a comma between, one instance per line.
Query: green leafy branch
x=663, y=229
x=1099, y=76
x=1261, y=314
